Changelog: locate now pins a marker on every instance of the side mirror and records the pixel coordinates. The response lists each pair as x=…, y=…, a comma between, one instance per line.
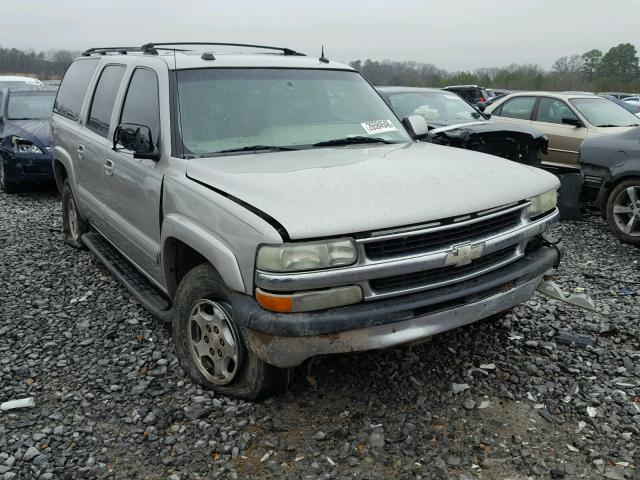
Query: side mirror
x=136, y=138
x=572, y=121
x=417, y=126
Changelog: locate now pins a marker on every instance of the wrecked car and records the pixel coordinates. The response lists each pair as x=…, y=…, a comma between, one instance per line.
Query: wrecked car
x=454, y=122
x=273, y=208
x=25, y=133
x=610, y=168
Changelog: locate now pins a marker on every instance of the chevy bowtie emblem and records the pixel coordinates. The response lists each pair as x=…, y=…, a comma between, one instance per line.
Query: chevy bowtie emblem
x=464, y=254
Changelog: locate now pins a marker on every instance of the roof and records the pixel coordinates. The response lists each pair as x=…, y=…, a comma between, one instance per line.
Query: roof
x=561, y=95
x=218, y=55
x=32, y=88
x=409, y=90
x=18, y=78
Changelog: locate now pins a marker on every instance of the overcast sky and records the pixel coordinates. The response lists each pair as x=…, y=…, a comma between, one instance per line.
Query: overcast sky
x=456, y=35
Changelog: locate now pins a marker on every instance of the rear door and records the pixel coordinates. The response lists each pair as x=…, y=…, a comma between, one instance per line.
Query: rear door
x=136, y=185
x=564, y=140
x=94, y=143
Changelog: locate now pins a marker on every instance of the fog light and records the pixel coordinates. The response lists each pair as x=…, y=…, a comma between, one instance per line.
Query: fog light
x=310, y=300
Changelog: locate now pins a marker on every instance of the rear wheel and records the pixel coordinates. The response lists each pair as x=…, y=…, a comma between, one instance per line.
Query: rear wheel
x=73, y=225
x=209, y=344
x=623, y=211
x=6, y=185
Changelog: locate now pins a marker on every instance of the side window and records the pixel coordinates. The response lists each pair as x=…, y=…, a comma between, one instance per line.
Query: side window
x=552, y=110
x=74, y=86
x=518, y=107
x=141, y=104
x=104, y=99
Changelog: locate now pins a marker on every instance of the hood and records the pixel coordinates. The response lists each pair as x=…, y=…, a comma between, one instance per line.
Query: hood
x=37, y=131
x=336, y=191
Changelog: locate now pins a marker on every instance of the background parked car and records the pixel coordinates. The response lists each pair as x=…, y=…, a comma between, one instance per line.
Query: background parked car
x=25, y=131
x=618, y=95
x=566, y=118
x=610, y=167
x=456, y=123
x=471, y=93
x=13, y=80
x=629, y=106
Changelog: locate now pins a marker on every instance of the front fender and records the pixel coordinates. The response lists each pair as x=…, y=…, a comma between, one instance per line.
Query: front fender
x=206, y=243
x=62, y=162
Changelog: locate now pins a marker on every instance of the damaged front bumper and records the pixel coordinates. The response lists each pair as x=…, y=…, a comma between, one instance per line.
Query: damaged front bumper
x=286, y=340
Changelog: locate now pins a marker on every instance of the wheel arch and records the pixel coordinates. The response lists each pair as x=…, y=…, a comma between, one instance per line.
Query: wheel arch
x=186, y=244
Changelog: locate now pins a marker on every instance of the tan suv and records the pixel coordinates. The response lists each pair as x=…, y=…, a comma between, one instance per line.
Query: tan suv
x=566, y=118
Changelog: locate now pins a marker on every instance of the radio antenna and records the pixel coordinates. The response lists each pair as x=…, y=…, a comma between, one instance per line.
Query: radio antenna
x=322, y=58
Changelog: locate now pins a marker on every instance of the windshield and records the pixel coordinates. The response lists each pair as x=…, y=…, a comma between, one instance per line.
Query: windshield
x=604, y=113
x=233, y=109
x=30, y=105
x=436, y=107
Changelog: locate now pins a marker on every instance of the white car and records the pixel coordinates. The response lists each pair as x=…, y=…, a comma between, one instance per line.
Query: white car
x=15, y=80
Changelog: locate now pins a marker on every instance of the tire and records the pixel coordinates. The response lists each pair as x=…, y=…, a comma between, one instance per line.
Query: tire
x=623, y=211
x=237, y=372
x=6, y=185
x=73, y=225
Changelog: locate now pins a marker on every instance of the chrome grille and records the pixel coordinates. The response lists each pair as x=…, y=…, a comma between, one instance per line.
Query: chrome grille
x=441, y=275
x=436, y=240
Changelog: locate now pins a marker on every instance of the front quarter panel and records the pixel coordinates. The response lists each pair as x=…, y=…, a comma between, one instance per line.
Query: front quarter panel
x=221, y=230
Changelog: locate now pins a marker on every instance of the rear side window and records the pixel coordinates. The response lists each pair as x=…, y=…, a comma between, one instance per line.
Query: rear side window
x=73, y=87
x=141, y=105
x=104, y=99
x=519, y=107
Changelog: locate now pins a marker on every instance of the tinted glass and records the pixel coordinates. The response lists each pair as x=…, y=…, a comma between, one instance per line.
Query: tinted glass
x=438, y=108
x=30, y=105
x=222, y=109
x=552, y=110
x=73, y=87
x=104, y=99
x=603, y=113
x=519, y=107
x=141, y=102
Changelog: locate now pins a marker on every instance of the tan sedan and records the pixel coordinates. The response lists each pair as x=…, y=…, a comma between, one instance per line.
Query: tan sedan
x=566, y=118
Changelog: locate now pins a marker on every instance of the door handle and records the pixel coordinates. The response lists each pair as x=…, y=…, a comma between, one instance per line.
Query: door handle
x=108, y=167
x=80, y=150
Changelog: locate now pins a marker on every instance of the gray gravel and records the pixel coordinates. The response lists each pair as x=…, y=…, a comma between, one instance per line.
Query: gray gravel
x=111, y=401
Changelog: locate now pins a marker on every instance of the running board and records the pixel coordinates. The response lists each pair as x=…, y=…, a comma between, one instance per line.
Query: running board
x=151, y=298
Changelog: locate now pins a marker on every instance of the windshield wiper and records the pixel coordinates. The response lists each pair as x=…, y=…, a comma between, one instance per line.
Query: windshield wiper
x=607, y=125
x=257, y=148
x=338, y=142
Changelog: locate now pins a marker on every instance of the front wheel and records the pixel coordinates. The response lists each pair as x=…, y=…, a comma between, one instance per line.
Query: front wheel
x=209, y=344
x=623, y=211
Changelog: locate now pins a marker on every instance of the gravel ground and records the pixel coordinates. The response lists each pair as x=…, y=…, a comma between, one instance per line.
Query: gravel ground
x=495, y=400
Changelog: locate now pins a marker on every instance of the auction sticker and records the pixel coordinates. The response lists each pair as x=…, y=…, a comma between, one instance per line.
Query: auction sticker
x=378, y=126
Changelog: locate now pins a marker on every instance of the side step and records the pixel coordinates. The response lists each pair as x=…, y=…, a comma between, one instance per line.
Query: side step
x=151, y=298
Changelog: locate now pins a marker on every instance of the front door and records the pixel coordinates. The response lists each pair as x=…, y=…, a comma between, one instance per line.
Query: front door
x=564, y=140
x=135, y=184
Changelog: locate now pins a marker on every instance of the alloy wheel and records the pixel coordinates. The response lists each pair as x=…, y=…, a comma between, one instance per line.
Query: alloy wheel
x=214, y=342
x=626, y=211
x=72, y=215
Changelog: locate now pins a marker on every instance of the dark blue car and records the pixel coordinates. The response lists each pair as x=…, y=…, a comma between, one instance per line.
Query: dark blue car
x=25, y=136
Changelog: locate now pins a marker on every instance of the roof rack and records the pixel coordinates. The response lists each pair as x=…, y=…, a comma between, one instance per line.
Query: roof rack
x=152, y=48
x=286, y=51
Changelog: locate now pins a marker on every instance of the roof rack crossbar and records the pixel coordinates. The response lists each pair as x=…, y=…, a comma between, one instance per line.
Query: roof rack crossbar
x=284, y=50
x=125, y=50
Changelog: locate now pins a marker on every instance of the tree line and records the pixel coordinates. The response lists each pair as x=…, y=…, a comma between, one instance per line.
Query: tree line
x=45, y=65
x=615, y=70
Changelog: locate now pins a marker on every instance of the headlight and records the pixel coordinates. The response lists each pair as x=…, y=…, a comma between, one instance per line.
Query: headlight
x=296, y=257
x=21, y=145
x=543, y=203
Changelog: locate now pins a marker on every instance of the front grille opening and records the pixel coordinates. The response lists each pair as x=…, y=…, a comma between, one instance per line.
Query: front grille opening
x=437, y=275
x=430, y=241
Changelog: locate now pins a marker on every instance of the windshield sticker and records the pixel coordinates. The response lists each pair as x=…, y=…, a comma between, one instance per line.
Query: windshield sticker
x=378, y=126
